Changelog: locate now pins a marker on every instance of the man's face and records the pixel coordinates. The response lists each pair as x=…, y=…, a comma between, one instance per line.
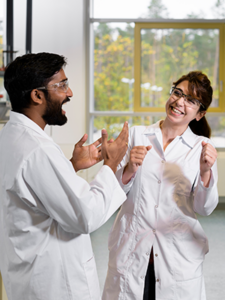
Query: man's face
x=54, y=114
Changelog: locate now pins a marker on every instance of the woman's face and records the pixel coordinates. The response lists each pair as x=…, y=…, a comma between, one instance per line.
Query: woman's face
x=178, y=112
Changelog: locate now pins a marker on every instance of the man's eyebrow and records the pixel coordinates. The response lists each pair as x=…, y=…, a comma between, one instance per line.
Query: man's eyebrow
x=64, y=80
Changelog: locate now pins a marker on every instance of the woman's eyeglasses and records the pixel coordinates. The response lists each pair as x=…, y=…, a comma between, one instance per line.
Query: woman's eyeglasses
x=176, y=93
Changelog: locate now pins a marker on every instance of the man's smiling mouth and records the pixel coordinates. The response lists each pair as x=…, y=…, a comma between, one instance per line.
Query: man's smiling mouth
x=63, y=103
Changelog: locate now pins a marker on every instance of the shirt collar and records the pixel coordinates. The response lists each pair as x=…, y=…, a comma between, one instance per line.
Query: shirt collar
x=152, y=129
x=25, y=121
x=188, y=136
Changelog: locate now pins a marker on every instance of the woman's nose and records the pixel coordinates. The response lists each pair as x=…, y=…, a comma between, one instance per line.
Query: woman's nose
x=180, y=101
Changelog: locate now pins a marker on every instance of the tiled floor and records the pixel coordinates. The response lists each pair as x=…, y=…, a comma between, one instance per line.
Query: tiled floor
x=214, y=268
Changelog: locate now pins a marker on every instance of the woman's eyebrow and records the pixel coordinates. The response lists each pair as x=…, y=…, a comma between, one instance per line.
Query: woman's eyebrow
x=182, y=91
x=179, y=89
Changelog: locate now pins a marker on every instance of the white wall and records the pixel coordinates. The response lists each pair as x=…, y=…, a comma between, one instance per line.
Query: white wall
x=59, y=27
x=221, y=174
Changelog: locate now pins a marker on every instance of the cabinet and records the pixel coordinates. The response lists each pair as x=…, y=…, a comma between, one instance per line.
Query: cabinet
x=2, y=90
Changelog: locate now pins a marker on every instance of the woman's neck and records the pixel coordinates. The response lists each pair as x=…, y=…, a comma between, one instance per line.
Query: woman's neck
x=170, y=132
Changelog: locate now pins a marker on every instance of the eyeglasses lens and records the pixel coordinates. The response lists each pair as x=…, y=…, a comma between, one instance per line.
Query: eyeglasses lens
x=189, y=101
x=63, y=86
x=177, y=94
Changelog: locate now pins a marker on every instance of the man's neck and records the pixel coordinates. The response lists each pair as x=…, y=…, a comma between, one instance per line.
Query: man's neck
x=35, y=116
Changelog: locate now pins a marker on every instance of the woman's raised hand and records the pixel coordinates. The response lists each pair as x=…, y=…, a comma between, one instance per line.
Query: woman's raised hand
x=207, y=160
x=137, y=155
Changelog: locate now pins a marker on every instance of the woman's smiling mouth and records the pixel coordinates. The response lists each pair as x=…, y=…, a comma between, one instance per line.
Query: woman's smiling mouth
x=176, y=111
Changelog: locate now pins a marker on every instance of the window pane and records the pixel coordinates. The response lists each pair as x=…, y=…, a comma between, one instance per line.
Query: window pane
x=210, y=9
x=114, y=125
x=113, y=67
x=217, y=125
x=167, y=54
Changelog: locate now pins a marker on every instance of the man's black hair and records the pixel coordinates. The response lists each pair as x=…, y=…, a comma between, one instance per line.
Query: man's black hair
x=28, y=72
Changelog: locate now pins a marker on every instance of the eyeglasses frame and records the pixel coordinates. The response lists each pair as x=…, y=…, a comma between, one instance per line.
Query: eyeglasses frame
x=184, y=96
x=57, y=84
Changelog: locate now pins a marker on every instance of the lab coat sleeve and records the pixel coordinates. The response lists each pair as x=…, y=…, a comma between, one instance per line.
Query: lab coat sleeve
x=126, y=187
x=77, y=206
x=206, y=198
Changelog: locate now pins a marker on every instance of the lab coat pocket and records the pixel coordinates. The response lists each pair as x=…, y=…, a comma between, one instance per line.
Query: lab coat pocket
x=120, y=241
x=190, y=239
x=92, y=278
x=190, y=289
x=195, y=242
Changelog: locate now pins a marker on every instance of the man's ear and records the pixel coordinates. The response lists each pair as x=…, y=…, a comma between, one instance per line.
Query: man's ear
x=200, y=115
x=37, y=97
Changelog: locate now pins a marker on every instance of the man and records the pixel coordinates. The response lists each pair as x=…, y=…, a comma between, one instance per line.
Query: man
x=46, y=210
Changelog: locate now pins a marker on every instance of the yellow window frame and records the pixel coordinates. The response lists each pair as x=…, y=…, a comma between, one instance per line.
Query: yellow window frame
x=178, y=25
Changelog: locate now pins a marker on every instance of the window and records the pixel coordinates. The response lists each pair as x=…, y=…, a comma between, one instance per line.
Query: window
x=137, y=50
x=166, y=51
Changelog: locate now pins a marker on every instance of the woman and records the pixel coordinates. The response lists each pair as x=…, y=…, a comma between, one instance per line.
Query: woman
x=157, y=246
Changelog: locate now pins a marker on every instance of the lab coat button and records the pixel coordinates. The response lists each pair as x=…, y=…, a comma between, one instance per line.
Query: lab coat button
x=157, y=280
x=156, y=206
x=142, y=277
x=147, y=253
x=156, y=254
x=162, y=161
x=154, y=231
x=159, y=181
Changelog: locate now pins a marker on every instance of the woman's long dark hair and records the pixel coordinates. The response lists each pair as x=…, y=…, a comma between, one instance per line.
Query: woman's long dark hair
x=199, y=87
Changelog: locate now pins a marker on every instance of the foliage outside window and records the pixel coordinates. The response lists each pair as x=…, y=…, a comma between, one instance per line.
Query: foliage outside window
x=113, y=60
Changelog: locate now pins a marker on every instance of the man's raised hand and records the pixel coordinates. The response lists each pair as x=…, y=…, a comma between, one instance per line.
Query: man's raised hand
x=86, y=156
x=114, y=152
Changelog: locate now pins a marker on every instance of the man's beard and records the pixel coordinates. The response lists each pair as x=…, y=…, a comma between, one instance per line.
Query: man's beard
x=53, y=113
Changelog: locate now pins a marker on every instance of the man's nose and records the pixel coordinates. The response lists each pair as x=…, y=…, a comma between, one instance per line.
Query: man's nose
x=69, y=93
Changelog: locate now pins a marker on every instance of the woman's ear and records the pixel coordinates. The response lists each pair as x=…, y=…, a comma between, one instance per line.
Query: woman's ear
x=200, y=115
x=37, y=97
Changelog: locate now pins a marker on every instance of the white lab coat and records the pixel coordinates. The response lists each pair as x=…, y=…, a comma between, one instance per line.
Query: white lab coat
x=46, y=214
x=163, y=198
